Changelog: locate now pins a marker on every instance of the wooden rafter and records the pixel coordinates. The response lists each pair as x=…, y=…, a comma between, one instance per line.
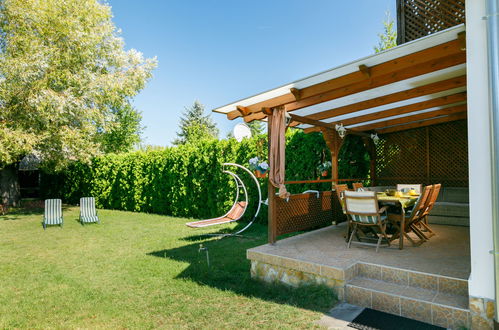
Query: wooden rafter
x=392, y=98
x=424, y=123
x=309, y=121
x=257, y=107
x=296, y=93
x=242, y=110
x=428, y=60
x=413, y=118
x=365, y=70
x=425, y=61
x=440, y=101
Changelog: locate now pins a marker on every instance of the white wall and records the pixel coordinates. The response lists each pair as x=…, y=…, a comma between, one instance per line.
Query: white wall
x=481, y=282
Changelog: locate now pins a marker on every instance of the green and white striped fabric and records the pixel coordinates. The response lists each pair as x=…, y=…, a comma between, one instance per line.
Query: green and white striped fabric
x=367, y=218
x=53, y=212
x=88, y=213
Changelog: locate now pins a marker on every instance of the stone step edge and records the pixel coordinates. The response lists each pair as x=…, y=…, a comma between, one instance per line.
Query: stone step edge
x=436, y=277
x=402, y=296
x=412, y=271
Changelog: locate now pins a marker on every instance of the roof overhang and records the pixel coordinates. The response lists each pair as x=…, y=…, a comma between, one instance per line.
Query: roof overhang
x=419, y=83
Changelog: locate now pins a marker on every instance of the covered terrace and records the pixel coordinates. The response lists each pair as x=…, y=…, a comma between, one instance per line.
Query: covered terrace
x=409, y=104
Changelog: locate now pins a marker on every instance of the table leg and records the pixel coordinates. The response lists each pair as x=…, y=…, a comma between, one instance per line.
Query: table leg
x=402, y=228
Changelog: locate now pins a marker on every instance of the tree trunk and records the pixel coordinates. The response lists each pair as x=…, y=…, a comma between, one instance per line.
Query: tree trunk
x=10, y=192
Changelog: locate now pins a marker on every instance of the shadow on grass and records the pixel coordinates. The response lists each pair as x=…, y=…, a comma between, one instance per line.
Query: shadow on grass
x=247, y=234
x=19, y=212
x=230, y=270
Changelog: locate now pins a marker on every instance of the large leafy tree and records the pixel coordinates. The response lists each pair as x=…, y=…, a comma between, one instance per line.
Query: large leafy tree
x=195, y=126
x=66, y=82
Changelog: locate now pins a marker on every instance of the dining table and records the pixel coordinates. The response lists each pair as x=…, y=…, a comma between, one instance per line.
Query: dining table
x=404, y=201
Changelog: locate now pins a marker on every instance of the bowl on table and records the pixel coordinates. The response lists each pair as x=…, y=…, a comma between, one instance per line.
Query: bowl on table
x=390, y=192
x=413, y=192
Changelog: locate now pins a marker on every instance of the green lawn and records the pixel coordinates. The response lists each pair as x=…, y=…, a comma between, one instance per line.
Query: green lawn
x=138, y=270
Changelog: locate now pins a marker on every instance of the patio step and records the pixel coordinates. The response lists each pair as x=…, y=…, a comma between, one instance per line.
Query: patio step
x=430, y=298
x=415, y=279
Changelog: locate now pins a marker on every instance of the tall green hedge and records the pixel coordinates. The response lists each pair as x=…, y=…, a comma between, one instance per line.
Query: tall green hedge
x=186, y=180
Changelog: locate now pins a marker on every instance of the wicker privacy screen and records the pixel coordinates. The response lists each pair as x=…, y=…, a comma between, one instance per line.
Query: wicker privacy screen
x=307, y=211
x=419, y=18
x=433, y=154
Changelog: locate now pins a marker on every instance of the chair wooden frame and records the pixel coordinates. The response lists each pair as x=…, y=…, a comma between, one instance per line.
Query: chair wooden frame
x=380, y=223
x=412, y=221
x=357, y=185
x=340, y=188
x=430, y=203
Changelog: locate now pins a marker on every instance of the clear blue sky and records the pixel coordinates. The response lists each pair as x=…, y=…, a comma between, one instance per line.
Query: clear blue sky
x=218, y=51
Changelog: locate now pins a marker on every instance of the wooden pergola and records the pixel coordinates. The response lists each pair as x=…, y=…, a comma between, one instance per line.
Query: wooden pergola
x=418, y=84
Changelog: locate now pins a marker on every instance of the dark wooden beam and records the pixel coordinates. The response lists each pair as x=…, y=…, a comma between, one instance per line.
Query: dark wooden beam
x=424, y=123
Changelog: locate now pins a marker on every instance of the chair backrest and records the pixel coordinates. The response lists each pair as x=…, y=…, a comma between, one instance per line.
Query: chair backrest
x=357, y=185
x=362, y=206
x=87, y=207
x=406, y=187
x=432, y=199
x=421, y=204
x=340, y=188
x=53, y=211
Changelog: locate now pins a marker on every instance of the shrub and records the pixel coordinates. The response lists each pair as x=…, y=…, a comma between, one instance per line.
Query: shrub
x=186, y=180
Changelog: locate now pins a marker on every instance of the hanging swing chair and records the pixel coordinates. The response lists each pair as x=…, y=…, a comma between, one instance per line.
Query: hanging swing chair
x=238, y=208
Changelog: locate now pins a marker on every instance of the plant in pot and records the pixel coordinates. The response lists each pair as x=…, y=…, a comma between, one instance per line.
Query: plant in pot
x=259, y=168
x=324, y=168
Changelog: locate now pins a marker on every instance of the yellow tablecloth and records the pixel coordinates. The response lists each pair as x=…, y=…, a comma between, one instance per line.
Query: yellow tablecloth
x=404, y=200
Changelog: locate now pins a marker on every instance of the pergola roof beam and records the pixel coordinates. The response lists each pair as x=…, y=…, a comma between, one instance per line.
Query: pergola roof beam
x=423, y=123
x=412, y=118
x=428, y=104
x=392, y=98
x=448, y=65
x=410, y=65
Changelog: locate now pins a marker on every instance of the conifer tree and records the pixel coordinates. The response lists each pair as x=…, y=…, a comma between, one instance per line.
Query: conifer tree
x=195, y=126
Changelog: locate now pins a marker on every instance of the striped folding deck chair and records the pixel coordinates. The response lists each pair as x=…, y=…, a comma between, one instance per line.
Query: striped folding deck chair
x=53, y=213
x=88, y=213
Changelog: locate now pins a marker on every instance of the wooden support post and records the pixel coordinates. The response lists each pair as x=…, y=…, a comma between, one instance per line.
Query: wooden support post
x=334, y=142
x=272, y=220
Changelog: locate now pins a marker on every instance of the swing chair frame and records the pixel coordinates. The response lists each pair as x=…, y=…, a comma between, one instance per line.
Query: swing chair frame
x=239, y=184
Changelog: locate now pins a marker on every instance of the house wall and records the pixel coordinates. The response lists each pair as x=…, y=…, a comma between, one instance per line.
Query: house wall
x=481, y=283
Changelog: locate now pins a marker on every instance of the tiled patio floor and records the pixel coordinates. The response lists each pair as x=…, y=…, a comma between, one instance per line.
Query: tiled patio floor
x=447, y=253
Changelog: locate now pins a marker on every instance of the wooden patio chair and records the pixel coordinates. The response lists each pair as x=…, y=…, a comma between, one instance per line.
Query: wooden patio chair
x=357, y=185
x=88, y=213
x=53, y=213
x=340, y=189
x=430, y=203
x=404, y=186
x=363, y=210
x=412, y=219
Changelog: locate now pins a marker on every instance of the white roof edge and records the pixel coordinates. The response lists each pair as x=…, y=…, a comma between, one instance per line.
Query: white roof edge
x=371, y=60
